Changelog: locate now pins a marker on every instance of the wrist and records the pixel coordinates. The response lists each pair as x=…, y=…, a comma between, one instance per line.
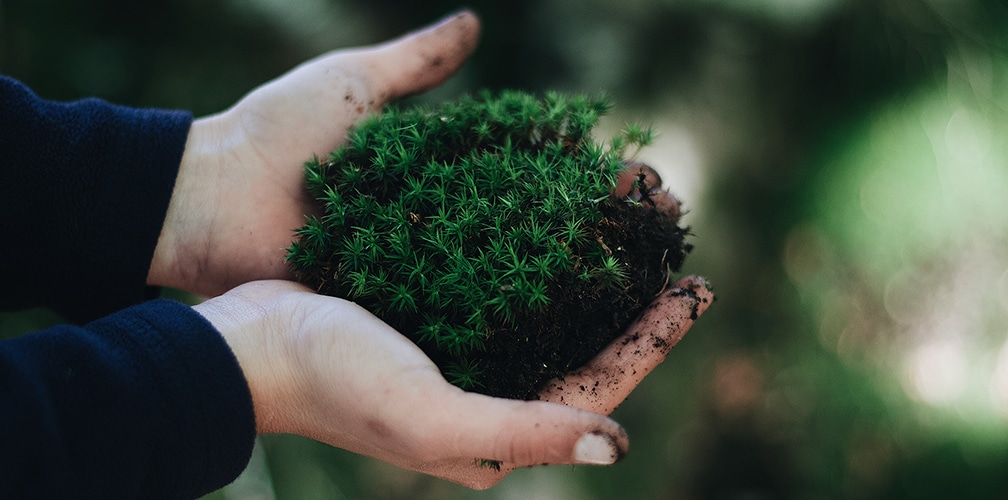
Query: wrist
x=254, y=334
x=180, y=254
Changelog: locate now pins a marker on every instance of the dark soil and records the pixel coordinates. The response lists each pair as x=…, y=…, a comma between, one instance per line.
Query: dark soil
x=582, y=319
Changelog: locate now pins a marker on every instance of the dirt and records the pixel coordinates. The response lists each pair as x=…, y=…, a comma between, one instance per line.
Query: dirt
x=582, y=318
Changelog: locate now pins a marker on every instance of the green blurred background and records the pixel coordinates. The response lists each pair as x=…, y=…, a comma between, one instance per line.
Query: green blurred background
x=845, y=164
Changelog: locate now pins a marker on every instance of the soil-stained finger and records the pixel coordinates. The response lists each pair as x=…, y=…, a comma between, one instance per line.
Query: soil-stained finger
x=602, y=384
x=640, y=182
x=422, y=60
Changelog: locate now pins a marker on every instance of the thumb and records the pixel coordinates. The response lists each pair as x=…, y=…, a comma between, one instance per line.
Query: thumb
x=423, y=59
x=516, y=433
x=525, y=433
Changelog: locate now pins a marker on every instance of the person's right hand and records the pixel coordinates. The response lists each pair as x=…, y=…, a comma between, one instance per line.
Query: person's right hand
x=326, y=369
x=605, y=382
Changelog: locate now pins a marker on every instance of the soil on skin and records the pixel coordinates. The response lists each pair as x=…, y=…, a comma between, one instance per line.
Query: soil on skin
x=581, y=319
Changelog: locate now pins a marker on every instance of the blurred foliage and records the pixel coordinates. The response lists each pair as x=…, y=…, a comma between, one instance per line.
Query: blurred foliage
x=844, y=162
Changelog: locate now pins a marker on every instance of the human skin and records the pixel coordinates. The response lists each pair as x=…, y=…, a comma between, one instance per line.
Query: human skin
x=240, y=191
x=323, y=367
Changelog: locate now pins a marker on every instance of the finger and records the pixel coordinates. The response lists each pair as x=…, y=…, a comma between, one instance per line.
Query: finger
x=471, y=473
x=526, y=433
x=602, y=384
x=496, y=435
x=640, y=180
x=422, y=60
x=636, y=176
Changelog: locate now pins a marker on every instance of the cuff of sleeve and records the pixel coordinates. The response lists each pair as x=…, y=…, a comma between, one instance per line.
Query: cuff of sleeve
x=96, y=179
x=208, y=418
x=130, y=206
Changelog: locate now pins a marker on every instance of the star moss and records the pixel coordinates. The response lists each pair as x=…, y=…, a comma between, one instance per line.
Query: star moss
x=461, y=223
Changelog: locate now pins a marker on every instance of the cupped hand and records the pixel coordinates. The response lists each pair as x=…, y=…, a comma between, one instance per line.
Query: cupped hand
x=605, y=382
x=324, y=368
x=240, y=192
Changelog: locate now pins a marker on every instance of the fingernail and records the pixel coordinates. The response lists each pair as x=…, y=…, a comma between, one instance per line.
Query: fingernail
x=453, y=16
x=704, y=283
x=689, y=285
x=596, y=449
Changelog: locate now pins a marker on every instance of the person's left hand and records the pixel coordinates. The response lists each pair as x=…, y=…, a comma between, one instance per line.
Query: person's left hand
x=240, y=194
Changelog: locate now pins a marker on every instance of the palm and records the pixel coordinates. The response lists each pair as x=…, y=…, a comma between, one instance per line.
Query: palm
x=239, y=194
x=327, y=369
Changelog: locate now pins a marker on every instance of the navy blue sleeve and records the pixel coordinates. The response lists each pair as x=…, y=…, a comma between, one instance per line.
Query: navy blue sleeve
x=146, y=403
x=146, y=399
x=84, y=188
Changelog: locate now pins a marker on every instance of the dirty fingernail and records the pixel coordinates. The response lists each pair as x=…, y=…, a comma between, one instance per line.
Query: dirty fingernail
x=701, y=281
x=693, y=283
x=596, y=449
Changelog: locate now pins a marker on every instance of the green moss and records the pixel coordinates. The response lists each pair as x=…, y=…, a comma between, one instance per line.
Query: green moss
x=455, y=222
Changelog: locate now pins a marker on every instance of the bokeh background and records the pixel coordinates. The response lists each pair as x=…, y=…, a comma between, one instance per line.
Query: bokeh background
x=845, y=164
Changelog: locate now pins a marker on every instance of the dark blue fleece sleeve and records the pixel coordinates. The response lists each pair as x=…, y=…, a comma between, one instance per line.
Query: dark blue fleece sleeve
x=146, y=403
x=84, y=188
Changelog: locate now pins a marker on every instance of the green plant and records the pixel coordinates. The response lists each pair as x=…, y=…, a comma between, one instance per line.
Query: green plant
x=483, y=229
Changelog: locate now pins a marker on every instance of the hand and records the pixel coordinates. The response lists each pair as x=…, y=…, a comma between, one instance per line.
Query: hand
x=240, y=190
x=605, y=382
x=324, y=368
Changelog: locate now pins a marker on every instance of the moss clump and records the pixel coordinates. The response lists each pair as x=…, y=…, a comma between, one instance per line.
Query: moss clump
x=486, y=231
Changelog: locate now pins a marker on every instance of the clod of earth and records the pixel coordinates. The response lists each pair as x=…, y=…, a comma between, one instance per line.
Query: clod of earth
x=494, y=232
